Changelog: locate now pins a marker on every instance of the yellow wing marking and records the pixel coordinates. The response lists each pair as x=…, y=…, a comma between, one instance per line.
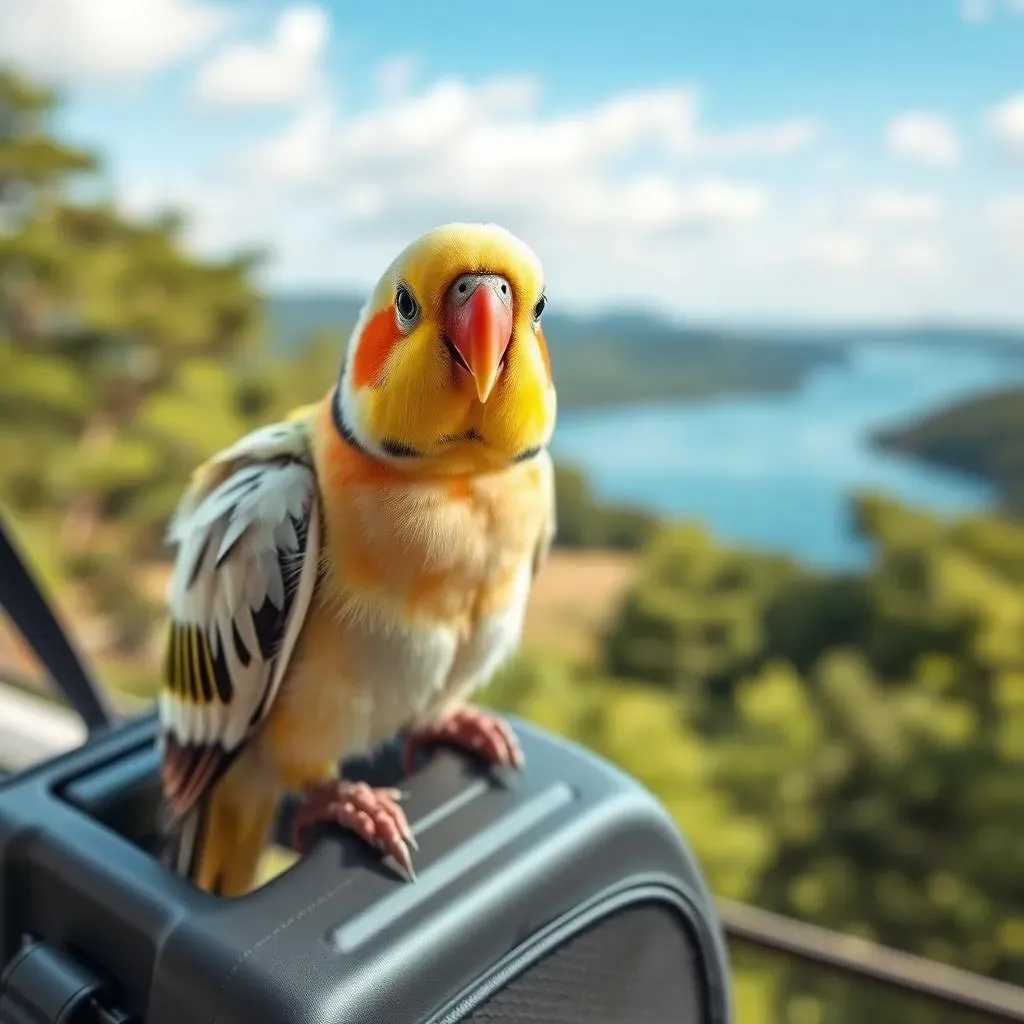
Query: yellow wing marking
x=188, y=667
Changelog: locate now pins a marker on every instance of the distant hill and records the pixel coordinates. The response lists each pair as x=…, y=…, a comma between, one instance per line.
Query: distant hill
x=636, y=356
x=985, y=336
x=608, y=359
x=982, y=437
x=294, y=317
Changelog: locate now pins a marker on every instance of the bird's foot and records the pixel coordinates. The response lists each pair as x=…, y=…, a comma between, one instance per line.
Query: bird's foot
x=373, y=814
x=471, y=730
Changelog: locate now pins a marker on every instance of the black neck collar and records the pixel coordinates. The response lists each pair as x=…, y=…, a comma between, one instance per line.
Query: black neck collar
x=393, y=448
x=343, y=429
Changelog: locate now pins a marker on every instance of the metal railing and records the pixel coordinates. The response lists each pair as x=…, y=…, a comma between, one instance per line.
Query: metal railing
x=857, y=958
x=33, y=729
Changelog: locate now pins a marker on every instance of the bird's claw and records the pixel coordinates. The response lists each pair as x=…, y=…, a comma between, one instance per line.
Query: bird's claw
x=471, y=730
x=373, y=814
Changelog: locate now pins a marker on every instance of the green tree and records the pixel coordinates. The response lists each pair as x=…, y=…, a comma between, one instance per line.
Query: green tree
x=585, y=522
x=123, y=362
x=872, y=725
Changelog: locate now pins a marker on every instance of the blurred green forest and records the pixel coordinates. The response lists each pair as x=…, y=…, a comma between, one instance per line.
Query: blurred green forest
x=845, y=749
x=983, y=437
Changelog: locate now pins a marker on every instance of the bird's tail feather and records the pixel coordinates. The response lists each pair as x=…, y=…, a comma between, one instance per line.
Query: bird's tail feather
x=183, y=840
x=218, y=844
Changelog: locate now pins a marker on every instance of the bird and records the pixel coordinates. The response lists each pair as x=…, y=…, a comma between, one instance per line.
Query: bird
x=359, y=570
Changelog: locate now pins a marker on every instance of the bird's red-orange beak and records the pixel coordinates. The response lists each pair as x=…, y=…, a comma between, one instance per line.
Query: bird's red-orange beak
x=478, y=326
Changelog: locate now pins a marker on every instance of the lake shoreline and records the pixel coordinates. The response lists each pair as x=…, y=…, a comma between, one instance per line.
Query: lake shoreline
x=981, y=438
x=775, y=471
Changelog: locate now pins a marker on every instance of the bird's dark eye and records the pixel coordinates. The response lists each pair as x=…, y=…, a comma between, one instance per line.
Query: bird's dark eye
x=405, y=304
x=539, y=308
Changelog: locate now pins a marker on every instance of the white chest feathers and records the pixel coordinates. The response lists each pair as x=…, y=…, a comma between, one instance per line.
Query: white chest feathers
x=366, y=671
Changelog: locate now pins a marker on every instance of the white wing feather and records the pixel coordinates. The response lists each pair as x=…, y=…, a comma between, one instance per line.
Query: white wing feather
x=245, y=571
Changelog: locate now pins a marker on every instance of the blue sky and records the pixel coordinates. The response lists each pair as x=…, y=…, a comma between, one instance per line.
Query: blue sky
x=731, y=160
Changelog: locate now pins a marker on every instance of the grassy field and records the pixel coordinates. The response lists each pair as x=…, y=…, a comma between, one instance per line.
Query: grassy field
x=574, y=596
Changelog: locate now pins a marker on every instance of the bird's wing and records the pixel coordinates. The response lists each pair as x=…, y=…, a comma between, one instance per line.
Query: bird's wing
x=550, y=524
x=248, y=538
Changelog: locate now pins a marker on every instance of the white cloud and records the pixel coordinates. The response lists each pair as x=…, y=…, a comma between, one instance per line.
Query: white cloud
x=1007, y=212
x=620, y=168
x=838, y=251
x=1005, y=217
x=835, y=164
x=892, y=206
x=222, y=216
x=621, y=196
x=104, y=41
x=495, y=129
x=299, y=156
x=917, y=256
x=924, y=138
x=774, y=140
x=635, y=199
x=976, y=11
x=395, y=76
x=1006, y=123
x=281, y=71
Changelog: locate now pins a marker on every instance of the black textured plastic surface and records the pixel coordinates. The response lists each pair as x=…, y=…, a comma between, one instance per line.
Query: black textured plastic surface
x=634, y=965
x=504, y=866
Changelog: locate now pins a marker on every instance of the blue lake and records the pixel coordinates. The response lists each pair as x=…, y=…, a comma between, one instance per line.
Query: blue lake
x=775, y=471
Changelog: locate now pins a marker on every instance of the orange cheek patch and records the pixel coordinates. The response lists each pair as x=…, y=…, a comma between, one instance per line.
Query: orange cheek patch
x=543, y=345
x=373, y=348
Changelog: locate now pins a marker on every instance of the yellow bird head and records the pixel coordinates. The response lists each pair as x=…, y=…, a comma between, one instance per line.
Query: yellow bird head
x=447, y=370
